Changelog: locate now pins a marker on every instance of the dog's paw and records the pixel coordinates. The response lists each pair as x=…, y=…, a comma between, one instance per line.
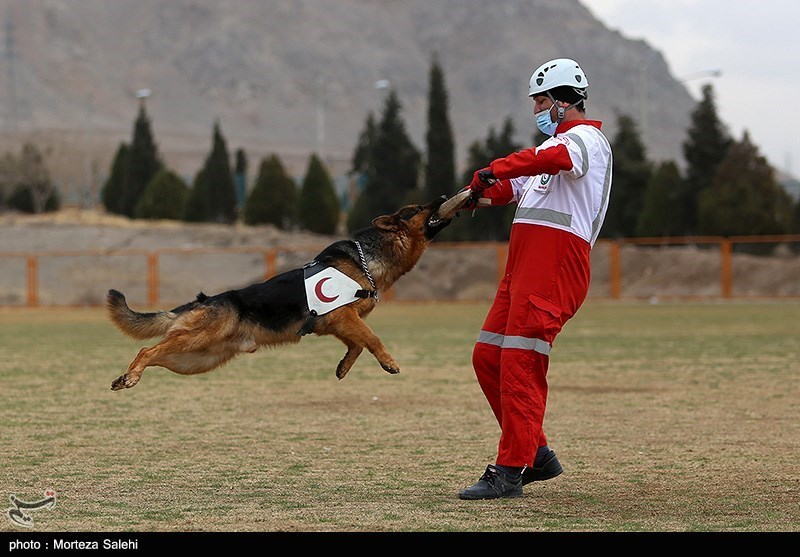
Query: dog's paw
x=391, y=367
x=341, y=370
x=123, y=382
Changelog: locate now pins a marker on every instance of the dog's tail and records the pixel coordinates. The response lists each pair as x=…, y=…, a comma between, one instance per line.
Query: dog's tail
x=133, y=323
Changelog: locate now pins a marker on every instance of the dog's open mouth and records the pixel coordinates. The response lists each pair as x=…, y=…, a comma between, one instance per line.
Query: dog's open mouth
x=448, y=209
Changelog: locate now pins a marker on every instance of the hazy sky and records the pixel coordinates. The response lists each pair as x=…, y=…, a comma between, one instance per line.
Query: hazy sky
x=756, y=46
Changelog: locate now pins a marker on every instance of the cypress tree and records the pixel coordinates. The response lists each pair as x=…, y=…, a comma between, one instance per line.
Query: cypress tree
x=491, y=223
x=273, y=199
x=705, y=147
x=363, y=169
x=318, y=206
x=141, y=164
x=660, y=204
x=630, y=175
x=440, y=172
x=794, y=223
x=395, y=169
x=197, y=204
x=111, y=194
x=163, y=198
x=222, y=193
x=744, y=198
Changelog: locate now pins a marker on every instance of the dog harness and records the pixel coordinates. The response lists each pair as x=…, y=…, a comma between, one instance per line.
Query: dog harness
x=327, y=288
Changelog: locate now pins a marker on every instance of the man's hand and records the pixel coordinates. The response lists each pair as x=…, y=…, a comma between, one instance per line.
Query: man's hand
x=481, y=180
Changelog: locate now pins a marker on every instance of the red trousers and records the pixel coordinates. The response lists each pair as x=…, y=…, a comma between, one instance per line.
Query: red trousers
x=546, y=281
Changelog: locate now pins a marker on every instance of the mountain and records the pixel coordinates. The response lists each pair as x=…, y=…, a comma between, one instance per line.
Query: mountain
x=295, y=76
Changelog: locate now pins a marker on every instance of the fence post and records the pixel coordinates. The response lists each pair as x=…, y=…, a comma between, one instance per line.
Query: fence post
x=33, y=281
x=615, y=272
x=725, y=268
x=269, y=264
x=152, y=278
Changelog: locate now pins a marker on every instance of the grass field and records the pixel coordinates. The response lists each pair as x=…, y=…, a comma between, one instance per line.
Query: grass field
x=667, y=418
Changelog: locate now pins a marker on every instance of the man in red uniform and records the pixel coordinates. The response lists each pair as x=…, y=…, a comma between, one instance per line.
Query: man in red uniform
x=562, y=190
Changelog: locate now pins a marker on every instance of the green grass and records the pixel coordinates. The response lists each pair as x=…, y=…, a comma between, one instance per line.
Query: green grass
x=666, y=417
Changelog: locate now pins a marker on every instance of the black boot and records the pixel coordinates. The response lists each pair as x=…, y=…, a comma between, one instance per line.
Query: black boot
x=494, y=484
x=545, y=466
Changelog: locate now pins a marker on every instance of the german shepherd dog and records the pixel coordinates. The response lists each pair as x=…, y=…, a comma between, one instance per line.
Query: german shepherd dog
x=208, y=332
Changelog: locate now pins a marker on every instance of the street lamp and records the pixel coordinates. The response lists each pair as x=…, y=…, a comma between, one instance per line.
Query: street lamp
x=700, y=75
x=142, y=94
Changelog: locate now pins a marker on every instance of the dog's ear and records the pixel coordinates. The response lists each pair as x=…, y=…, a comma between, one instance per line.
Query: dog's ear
x=387, y=222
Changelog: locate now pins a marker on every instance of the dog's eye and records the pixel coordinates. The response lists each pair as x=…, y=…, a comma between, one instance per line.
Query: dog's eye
x=408, y=213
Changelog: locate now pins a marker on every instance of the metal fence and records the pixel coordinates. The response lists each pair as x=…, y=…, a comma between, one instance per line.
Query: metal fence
x=633, y=268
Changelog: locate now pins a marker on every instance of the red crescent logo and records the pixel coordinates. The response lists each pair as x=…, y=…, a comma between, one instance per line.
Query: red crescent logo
x=320, y=295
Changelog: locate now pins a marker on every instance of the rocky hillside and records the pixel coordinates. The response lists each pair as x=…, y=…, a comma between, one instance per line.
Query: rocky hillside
x=295, y=76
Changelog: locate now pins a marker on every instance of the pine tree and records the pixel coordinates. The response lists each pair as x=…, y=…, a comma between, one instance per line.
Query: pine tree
x=486, y=224
x=630, y=175
x=273, y=199
x=163, y=198
x=706, y=145
x=394, y=169
x=660, y=204
x=318, y=207
x=440, y=172
x=363, y=172
x=198, y=207
x=744, y=198
x=112, y=189
x=222, y=193
x=142, y=163
x=794, y=223
x=362, y=162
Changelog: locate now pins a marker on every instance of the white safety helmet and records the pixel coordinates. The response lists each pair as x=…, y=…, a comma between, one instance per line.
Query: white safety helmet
x=558, y=73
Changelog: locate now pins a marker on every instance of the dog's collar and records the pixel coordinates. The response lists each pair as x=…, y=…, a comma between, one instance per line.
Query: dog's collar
x=366, y=293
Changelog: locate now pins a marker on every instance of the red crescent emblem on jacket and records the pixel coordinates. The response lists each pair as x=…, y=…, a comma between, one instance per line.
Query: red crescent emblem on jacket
x=320, y=295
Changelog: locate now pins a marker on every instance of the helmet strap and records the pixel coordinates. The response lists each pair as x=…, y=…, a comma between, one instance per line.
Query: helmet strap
x=561, y=110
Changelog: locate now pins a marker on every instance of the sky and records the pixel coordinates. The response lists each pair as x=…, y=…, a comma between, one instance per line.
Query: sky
x=754, y=45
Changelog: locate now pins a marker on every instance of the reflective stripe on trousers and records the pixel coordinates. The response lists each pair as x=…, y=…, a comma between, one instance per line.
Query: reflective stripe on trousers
x=523, y=343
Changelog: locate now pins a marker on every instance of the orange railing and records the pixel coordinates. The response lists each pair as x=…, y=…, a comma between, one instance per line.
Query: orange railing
x=630, y=268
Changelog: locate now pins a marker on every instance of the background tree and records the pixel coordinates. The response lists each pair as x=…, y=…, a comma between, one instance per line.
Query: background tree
x=111, y=194
x=318, y=207
x=198, y=201
x=794, y=223
x=142, y=163
x=660, y=202
x=487, y=224
x=393, y=169
x=440, y=169
x=706, y=145
x=630, y=176
x=221, y=191
x=744, y=197
x=362, y=171
x=163, y=198
x=240, y=178
x=8, y=176
x=22, y=200
x=273, y=199
x=35, y=177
